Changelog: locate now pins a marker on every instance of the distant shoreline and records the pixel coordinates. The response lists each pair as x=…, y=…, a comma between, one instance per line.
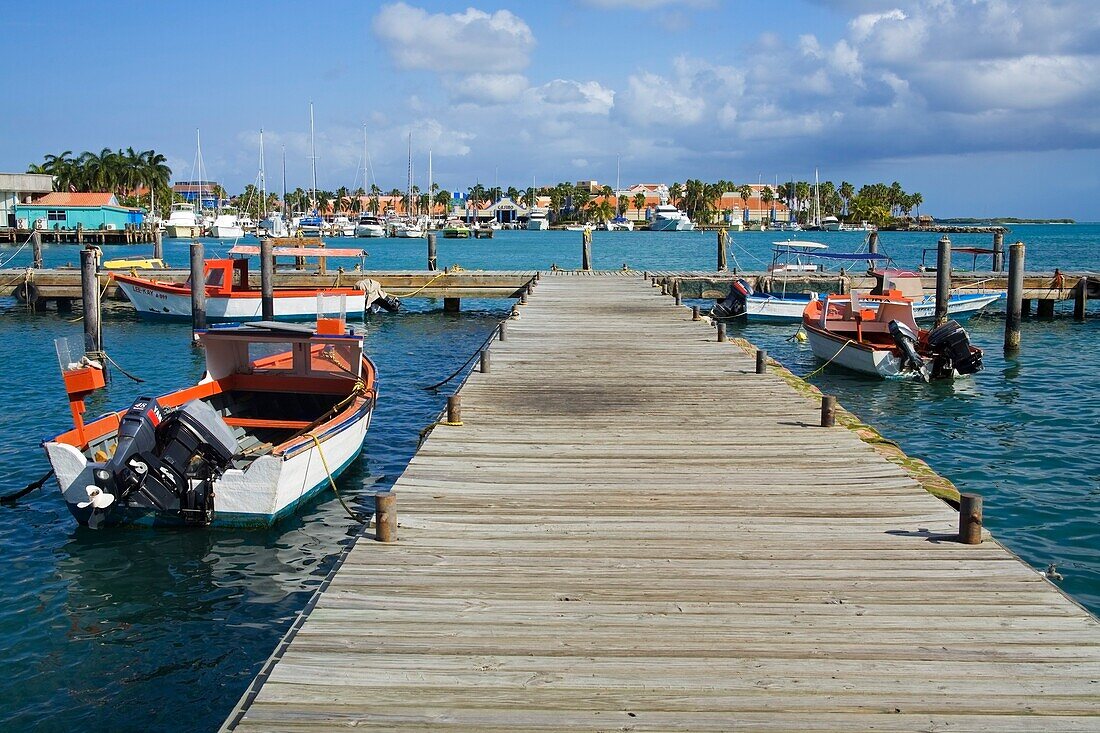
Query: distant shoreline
x=965, y=221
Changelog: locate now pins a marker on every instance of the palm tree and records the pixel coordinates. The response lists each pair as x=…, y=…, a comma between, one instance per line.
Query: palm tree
x=767, y=196
x=639, y=202
x=443, y=200
x=917, y=200
x=745, y=192
x=675, y=194
x=847, y=191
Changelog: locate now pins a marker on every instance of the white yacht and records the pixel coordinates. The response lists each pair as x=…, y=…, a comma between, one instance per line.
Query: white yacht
x=830, y=224
x=226, y=225
x=537, y=220
x=342, y=226
x=408, y=229
x=369, y=225
x=182, y=222
x=273, y=226
x=667, y=218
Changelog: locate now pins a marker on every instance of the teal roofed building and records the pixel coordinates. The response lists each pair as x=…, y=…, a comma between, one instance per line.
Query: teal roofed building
x=88, y=211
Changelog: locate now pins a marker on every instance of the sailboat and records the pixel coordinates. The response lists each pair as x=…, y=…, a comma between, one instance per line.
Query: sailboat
x=312, y=225
x=274, y=223
x=184, y=220
x=408, y=228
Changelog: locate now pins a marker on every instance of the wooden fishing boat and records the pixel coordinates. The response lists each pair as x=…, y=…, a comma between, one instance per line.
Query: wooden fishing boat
x=281, y=411
x=885, y=340
x=231, y=297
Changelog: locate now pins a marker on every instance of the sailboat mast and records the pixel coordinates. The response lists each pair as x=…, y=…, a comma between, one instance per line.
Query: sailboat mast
x=284, y=183
x=429, y=185
x=263, y=176
x=313, y=157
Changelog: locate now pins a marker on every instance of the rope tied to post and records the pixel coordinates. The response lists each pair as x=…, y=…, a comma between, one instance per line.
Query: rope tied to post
x=821, y=368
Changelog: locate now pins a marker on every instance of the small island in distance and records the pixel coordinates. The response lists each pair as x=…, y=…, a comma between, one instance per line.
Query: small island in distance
x=963, y=221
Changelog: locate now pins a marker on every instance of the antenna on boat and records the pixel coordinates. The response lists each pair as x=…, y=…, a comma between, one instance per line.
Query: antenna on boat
x=284, y=182
x=313, y=157
x=409, y=180
x=263, y=176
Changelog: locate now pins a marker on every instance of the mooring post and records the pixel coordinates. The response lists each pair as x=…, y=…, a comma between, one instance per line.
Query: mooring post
x=484, y=361
x=721, y=250
x=454, y=409
x=586, y=250
x=676, y=292
x=695, y=313
x=452, y=305
x=1080, y=299
x=502, y=335
x=198, y=288
x=828, y=411
x=523, y=297
x=970, y=519
x=432, y=262
x=761, y=361
x=998, y=251
x=721, y=331
x=158, y=244
x=872, y=242
x=1044, y=308
x=1015, y=305
x=385, y=516
x=36, y=249
x=267, y=279
x=943, y=279
x=89, y=293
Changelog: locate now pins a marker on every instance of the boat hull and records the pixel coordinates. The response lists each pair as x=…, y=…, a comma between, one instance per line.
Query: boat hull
x=271, y=488
x=370, y=231
x=672, y=225
x=789, y=308
x=161, y=303
x=183, y=231
x=224, y=232
x=538, y=225
x=859, y=358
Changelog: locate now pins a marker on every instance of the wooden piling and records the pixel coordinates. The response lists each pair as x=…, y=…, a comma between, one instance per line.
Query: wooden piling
x=943, y=278
x=761, y=361
x=721, y=250
x=872, y=242
x=586, y=250
x=503, y=331
x=998, y=251
x=721, y=332
x=452, y=305
x=1080, y=299
x=432, y=259
x=36, y=249
x=970, y=519
x=484, y=361
x=89, y=293
x=454, y=409
x=1014, y=307
x=1045, y=308
x=828, y=411
x=385, y=516
x=676, y=292
x=695, y=313
x=158, y=244
x=198, y=288
x=267, y=279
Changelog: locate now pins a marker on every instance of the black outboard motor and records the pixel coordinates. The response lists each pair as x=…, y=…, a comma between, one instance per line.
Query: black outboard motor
x=733, y=304
x=387, y=303
x=950, y=345
x=168, y=463
x=906, y=339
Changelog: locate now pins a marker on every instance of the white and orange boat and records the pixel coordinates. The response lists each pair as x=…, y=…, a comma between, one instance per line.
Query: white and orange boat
x=878, y=334
x=230, y=297
x=281, y=411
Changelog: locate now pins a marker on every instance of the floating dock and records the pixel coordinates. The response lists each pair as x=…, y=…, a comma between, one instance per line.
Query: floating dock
x=632, y=530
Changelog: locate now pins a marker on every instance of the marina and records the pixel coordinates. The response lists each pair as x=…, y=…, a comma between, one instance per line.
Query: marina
x=625, y=366
x=555, y=576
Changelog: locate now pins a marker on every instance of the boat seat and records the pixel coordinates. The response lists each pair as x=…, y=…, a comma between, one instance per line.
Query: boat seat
x=256, y=422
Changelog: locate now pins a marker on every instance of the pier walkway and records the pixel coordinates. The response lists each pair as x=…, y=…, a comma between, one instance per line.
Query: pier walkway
x=633, y=531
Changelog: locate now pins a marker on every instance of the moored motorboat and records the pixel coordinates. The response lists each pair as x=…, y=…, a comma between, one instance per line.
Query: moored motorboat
x=183, y=222
x=456, y=229
x=885, y=341
x=230, y=296
x=255, y=438
x=369, y=225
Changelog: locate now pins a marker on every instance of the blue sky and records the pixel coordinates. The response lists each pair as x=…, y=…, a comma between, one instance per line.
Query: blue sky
x=988, y=107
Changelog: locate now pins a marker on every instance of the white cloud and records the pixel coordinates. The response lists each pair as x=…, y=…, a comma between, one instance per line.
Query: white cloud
x=487, y=89
x=472, y=40
x=566, y=95
x=652, y=100
x=864, y=25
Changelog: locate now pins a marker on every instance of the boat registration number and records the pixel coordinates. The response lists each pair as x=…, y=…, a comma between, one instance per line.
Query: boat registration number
x=149, y=292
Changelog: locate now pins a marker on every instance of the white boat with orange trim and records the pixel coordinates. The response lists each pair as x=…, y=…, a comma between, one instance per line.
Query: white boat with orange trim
x=230, y=297
x=281, y=411
x=877, y=334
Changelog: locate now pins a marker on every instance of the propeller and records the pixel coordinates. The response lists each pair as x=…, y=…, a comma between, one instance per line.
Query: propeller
x=97, y=499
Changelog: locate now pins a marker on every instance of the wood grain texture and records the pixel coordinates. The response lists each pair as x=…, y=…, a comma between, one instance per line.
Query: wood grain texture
x=635, y=531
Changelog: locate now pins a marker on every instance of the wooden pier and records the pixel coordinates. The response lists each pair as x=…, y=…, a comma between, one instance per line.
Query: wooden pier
x=632, y=530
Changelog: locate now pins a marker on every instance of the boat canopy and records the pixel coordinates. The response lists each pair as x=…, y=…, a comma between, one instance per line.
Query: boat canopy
x=835, y=255
x=802, y=245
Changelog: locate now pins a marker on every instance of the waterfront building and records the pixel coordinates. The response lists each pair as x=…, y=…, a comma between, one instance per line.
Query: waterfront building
x=20, y=188
x=59, y=210
x=200, y=193
x=505, y=211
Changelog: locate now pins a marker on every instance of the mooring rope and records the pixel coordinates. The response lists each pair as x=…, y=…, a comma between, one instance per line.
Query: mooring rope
x=820, y=369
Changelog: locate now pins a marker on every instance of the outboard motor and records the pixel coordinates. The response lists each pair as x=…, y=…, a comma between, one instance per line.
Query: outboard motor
x=906, y=339
x=950, y=345
x=387, y=303
x=733, y=304
x=167, y=463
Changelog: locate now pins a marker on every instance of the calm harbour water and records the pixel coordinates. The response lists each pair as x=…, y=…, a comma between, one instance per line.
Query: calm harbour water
x=132, y=630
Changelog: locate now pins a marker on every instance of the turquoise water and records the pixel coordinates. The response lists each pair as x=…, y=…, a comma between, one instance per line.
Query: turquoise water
x=134, y=630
